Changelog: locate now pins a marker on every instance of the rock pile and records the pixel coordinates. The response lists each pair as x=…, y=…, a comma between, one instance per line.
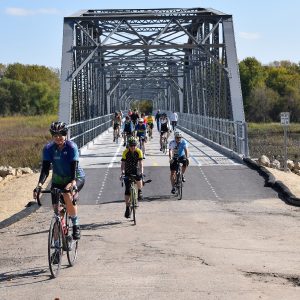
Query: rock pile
x=293, y=166
x=7, y=173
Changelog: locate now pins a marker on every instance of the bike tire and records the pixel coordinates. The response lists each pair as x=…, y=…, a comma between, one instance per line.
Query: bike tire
x=133, y=203
x=179, y=185
x=72, y=245
x=55, y=253
x=165, y=147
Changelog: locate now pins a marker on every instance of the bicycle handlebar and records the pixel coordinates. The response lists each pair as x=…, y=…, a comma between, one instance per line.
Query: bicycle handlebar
x=51, y=191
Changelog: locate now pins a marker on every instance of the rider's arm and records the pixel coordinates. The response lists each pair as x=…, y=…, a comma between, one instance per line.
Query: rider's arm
x=141, y=166
x=74, y=166
x=44, y=172
x=170, y=153
x=123, y=167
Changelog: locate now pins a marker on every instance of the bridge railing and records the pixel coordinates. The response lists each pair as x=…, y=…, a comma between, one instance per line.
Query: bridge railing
x=225, y=133
x=85, y=131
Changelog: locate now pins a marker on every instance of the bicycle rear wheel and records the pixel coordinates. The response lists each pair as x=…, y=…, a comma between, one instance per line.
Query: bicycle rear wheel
x=55, y=247
x=72, y=245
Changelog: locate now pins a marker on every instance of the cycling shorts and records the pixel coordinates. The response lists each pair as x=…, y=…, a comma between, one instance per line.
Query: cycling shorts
x=116, y=126
x=150, y=125
x=79, y=183
x=181, y=159
x=127, y=184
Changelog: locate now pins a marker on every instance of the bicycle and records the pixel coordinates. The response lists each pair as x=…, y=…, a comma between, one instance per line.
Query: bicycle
x=133, y=199
x=60, y=237
x=164, y=144
x=149, y=132
x=141, y=145
x=116, y=135
x=178, y=180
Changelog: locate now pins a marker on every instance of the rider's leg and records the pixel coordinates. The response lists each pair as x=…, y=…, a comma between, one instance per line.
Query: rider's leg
x=172, y=177
x=139, y=184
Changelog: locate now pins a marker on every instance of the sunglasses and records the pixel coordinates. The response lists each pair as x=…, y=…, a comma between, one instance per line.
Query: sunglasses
x=57, y=135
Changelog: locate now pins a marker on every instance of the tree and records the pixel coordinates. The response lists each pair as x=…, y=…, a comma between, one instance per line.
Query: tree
x=5, y=100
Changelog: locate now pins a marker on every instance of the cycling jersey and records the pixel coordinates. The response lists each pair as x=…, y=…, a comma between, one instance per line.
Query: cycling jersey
x=150, y=120
x=131, y=160
x=140, y=130
x=164, y=125
x=178, y=148
x=61, y=161
x=128, y=127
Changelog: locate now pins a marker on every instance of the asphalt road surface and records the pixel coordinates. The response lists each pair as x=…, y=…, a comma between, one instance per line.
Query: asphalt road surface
x=230, y=237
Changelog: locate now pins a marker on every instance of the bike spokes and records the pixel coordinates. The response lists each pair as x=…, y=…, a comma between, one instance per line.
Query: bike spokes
x=55, y=247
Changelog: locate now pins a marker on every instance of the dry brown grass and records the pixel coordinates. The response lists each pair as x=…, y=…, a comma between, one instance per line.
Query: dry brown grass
x=268, y=139
x=22, y=139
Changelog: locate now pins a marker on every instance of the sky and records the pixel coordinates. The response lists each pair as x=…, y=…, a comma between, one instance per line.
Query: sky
x=31, y=31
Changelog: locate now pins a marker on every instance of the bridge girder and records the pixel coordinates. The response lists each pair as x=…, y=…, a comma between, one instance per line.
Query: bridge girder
x=182, y=59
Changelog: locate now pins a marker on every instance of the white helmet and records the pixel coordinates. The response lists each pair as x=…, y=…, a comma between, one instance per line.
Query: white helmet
x=141, y=120
x=177, y=134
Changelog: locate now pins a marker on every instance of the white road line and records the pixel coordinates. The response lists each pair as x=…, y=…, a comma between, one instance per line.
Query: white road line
x=106, y=173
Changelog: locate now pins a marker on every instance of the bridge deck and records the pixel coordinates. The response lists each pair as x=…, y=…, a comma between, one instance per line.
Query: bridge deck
x=210, y=176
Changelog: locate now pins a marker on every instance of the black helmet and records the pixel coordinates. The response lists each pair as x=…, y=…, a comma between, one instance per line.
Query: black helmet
x=58, y=128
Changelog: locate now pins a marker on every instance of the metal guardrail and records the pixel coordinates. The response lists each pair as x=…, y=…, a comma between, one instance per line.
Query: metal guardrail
x=229, y=134
x=85, y=131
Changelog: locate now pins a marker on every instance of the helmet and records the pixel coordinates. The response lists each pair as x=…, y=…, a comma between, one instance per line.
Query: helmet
x=58, y=128
x=164, y=114
x=177, y=134
x=141, y=120
x=132, y=141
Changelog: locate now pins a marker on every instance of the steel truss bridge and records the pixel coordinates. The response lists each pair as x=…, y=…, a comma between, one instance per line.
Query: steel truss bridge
x=180, y=59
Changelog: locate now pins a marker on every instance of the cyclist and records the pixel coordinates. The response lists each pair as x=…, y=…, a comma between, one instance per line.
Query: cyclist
x=132, y=164
x=141, y=130
x=63, y=155
x=157, y=118
x=174, y=119
x=127, y=129
x=164, y=128
x=116, y=123
x=134, y=117
x=150, y=122
x=178, y=153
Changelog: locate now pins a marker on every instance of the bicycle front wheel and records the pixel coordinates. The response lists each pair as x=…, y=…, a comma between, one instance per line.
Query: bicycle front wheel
x=55, y=247
x=133, y=203
x=179, y=185
x=72, y=245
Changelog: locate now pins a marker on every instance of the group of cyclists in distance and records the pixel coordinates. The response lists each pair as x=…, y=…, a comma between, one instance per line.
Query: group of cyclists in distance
x=63, y=156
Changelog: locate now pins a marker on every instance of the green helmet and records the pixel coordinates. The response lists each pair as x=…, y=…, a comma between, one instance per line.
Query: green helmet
x=132, y=141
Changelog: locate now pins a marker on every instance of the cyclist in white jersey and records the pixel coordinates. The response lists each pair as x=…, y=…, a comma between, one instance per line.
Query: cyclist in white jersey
x=178, y=153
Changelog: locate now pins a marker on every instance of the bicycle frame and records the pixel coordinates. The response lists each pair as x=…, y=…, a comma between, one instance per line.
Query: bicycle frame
x=178, y=180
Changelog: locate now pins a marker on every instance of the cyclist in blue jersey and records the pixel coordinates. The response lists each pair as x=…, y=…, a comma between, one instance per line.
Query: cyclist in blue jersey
x=63, y=155
x=178, y=153
x=141, y=130
x=127, y=129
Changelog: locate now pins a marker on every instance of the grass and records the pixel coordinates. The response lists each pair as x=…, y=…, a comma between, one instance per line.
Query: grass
x=268, y=139
x=22, y=140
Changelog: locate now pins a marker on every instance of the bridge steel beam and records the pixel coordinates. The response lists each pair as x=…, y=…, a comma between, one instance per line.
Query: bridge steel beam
x=181, y=59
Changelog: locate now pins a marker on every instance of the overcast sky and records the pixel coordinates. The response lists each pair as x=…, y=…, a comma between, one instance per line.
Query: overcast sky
x=31, y=30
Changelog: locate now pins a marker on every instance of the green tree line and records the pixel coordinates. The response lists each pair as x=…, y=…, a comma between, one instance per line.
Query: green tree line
x=28, y=90
x=267, y=90
x=270, y=89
